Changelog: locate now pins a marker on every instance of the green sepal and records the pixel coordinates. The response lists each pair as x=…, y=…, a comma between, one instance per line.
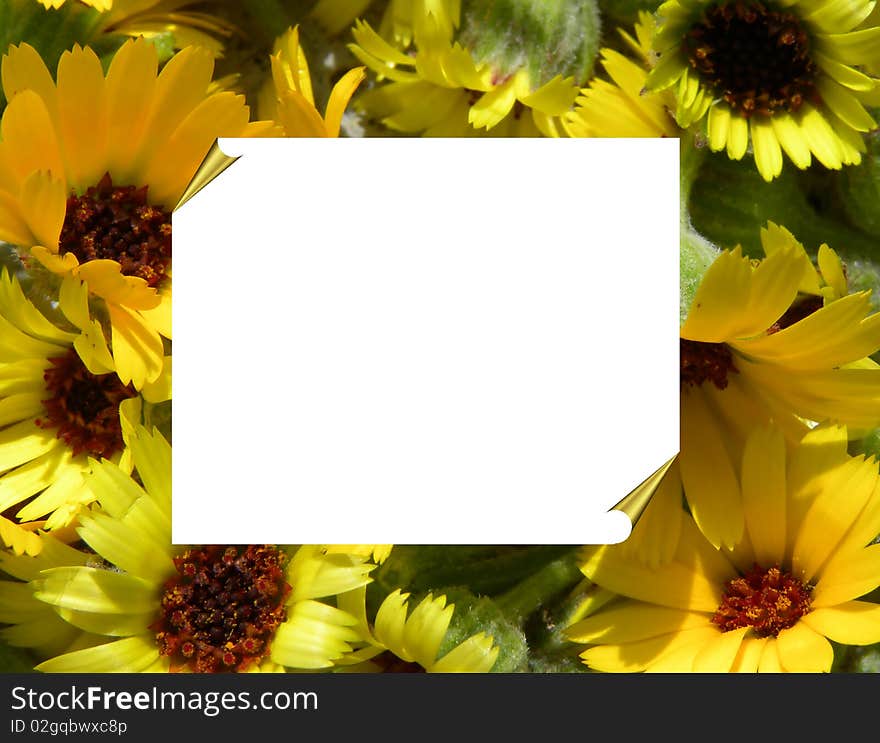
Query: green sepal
x=547, y=37
x=482, y=569
x=474, y=614
x=730, y=202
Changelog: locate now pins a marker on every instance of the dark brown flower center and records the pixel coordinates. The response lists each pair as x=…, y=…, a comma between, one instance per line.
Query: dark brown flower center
x=116, y=223
x=768, y=601
x=84, y=407
x=757, y=59
x=390, y=663
x=701, y=362
x=800, y=309
x=221, y=610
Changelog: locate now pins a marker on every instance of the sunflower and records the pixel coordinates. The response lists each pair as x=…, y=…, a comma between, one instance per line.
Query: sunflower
x=400, y=643
x=60, y=403
x=201, y=608
x=441, y=90
x=781, y=75
x=622, y=107
x=91, y=167
x=775, y=601
x=763, y=340
x=287, y=98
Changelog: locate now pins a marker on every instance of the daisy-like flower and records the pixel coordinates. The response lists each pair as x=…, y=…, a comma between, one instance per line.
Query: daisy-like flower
x=288, y=100
x=621, y=107
x=400, y=643
x=781, y=75
x=763, y=340
x=192, y=608
x=60, y=403
x=441, y=90
x=762, y=343
x=774, y=602
x=91, y=167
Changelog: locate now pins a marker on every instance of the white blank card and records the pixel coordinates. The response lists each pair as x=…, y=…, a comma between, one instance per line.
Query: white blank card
x=420, y=341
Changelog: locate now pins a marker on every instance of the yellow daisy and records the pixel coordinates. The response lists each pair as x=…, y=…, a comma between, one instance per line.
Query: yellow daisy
x=770, y=340
x=441, y=90
x=288, y=99
x=782, y=76
x=773, y=603
x=622, y=107
x=91, y=167
x=200, y=608
x=401, y=643
x=60, y=403
x=760, y=343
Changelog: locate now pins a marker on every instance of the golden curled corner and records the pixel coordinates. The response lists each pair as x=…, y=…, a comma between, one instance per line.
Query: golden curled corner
x=213, y=164
x=634, y=504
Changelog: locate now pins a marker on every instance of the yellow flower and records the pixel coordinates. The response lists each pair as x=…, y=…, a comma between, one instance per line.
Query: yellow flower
x=622, y=107
x=77, y=154
x=442, y=91
x=396, y=640
x=60, y=403
x=397, y=20
x=770, y=340
x=157, y=603
x=782, y=76
x=377, y=552
x=753, y=351
x=774, y=602
x=288, y=99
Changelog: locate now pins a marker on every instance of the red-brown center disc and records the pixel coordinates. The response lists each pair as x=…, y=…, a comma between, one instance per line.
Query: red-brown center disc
x=84, y=407
x=116, y=223
x=701, y=362
x=756, y=58
x=221, y=610
x=768, y=601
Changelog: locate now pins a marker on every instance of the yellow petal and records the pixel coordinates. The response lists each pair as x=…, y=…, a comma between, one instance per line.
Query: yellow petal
x=764, y=494
x=802, y=650
x=852, y=623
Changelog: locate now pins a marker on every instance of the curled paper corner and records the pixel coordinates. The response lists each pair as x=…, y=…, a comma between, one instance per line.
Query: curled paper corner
x=212, y=165
x=634, y=504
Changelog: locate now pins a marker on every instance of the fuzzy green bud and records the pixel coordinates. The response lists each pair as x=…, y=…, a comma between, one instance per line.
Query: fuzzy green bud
x=546, y=37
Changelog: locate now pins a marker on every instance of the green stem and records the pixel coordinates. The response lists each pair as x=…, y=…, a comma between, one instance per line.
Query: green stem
x=540, y=588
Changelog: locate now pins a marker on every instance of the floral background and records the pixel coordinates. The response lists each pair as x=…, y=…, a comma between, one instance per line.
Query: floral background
x=757, y=550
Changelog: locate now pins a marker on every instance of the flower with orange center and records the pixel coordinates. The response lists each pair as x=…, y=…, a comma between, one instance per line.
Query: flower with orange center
x=791, y=584
x=91, y=167
x=161, y=607
x=769, y=340
x=61, y=402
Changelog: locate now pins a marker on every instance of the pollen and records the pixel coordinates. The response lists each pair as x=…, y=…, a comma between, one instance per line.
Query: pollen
x=221, y=610
x=767, y=600
x=84, y=407
x=705, y=362
x=115, y=223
